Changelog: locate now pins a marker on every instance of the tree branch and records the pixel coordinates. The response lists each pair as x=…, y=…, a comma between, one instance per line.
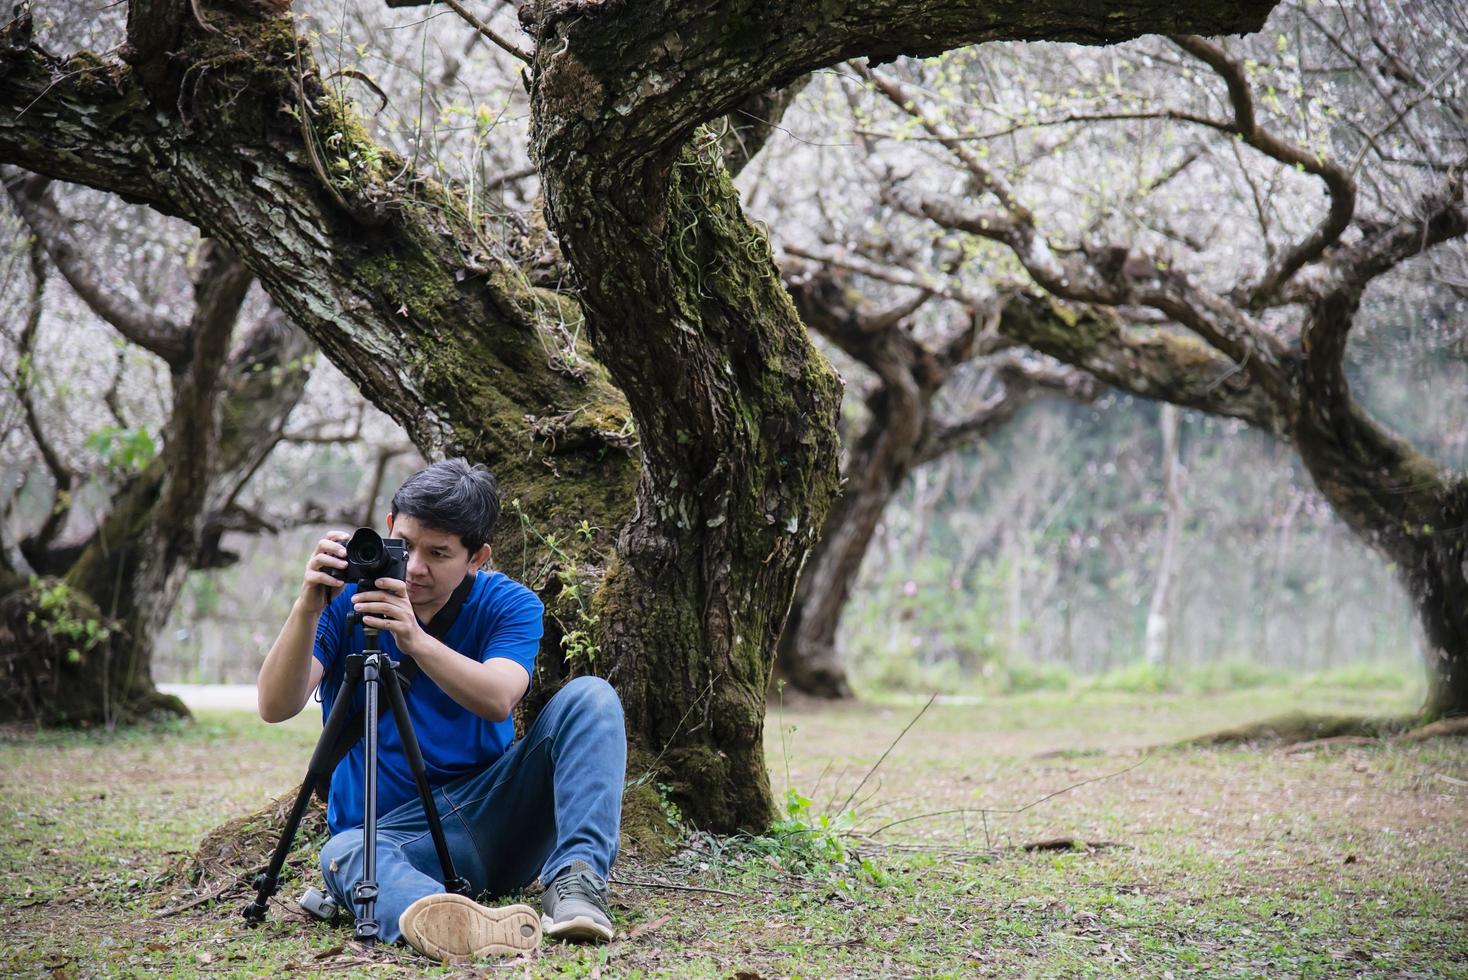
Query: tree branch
x=1022, y=380
x=930, y=285
x=503, y=43
x=678, y=65
x=1331, y=312
x=1338, y=183
x=1152, y=364
x=161, y=336
x=434, y=288
x=62, y=475
x=1118, y=276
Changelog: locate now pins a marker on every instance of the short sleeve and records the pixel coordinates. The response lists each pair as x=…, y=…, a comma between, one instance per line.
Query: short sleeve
x=516, y=630
x=329, y=629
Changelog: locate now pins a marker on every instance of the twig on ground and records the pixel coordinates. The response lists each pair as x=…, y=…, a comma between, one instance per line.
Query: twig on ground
x=201, y=900
x=879, y=762
x=989, y=810
x=669, y=884
x=1320, y=743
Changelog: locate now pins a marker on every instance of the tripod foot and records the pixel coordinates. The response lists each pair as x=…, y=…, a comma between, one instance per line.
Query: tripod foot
x=254, y=913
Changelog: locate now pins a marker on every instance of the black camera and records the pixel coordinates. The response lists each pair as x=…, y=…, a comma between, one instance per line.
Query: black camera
x=371, y=556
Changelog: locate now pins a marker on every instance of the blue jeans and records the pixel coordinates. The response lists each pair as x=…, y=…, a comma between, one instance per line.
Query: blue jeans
x=554, y=797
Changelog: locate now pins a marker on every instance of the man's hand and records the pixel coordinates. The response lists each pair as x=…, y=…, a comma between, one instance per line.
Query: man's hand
x=388, y=608
x=319, y=587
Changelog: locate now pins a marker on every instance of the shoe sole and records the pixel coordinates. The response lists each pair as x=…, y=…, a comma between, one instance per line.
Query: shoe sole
x=583, y=928
x=449, y=927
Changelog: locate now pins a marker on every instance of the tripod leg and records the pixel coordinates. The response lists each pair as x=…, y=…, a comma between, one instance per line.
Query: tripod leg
x=267, y=883
x=364, y=892
x=398, y=705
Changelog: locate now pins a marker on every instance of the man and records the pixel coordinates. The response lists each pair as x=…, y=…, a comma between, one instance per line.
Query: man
x=548, y=805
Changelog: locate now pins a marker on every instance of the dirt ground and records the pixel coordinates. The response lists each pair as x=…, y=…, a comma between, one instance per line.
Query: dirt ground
x=1341, y=860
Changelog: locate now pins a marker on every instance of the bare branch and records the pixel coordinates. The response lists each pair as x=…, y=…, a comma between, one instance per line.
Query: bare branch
x=1338, y=183
x=985, y=178
x=139, y=325
x=1119, y=276
x=62, y=475
x=928, y=284
x=510, y=177
x=489, y=32
x=1023, y=380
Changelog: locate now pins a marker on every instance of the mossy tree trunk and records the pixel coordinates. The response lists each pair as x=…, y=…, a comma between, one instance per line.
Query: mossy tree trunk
x=439, y=325
x=1402, y=503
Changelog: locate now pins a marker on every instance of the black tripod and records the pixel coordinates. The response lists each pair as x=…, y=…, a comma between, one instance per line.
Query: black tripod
x=372, y=668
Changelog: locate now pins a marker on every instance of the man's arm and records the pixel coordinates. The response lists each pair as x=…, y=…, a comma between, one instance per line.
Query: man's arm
x=290, y=673
x=489, y=688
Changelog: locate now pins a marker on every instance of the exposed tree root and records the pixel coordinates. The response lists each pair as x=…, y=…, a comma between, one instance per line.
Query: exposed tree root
x=1441, y=728
x=1304, y=732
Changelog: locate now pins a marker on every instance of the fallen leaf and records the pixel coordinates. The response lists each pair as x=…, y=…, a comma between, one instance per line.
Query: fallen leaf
x=643, y=927
x=330, y=952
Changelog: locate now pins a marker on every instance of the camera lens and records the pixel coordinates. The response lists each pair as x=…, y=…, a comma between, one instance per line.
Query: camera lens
x=364, y=550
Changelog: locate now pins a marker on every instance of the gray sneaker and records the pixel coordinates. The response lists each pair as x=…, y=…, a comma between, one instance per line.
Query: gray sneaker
x=575, y=906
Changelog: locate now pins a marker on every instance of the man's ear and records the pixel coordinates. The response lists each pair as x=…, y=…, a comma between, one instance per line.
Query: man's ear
x=480, y=558
x=389, y=522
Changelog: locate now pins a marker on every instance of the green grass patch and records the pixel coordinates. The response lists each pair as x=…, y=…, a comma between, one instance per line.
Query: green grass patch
x=1224, y=862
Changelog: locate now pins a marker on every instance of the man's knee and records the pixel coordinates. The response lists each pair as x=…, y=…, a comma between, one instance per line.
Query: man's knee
x=592, y=696
x=340, y=851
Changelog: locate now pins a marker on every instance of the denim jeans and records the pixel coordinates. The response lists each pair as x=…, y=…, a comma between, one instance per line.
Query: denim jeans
x=554, y=797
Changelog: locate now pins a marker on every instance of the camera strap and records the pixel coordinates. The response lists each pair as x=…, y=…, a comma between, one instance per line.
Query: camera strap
x=406, y=672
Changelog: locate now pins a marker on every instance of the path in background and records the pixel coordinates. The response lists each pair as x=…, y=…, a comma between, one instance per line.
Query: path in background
x=208, y=697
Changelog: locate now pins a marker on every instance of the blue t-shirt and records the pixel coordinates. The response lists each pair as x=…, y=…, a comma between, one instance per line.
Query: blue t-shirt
x=500, y=618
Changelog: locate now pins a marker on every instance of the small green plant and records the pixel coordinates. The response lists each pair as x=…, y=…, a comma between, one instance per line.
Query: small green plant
x=671, y=813
x=803, y=842
x=123, y=451
x=57, y=617
x=1365, y=677
x=1138, y=677
x=578, y=638
x=1020, y=677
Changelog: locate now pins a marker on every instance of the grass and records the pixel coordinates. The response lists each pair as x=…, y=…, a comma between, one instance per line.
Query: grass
x=1344, y=861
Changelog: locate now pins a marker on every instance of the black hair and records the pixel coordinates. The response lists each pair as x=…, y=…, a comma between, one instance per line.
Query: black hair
x=452, y=497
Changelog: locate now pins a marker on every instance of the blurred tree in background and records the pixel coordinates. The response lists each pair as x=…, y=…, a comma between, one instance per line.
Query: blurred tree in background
x=1205, y=223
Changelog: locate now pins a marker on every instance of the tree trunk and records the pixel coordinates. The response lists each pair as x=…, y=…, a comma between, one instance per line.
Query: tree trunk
x=227, y=415
x=876, y=467
x=736, y=415
x=1411, y=511
x=1158, y=634
x=1402, y=503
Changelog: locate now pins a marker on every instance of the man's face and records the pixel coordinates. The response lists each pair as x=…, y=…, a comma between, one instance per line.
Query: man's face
x=437, y=561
